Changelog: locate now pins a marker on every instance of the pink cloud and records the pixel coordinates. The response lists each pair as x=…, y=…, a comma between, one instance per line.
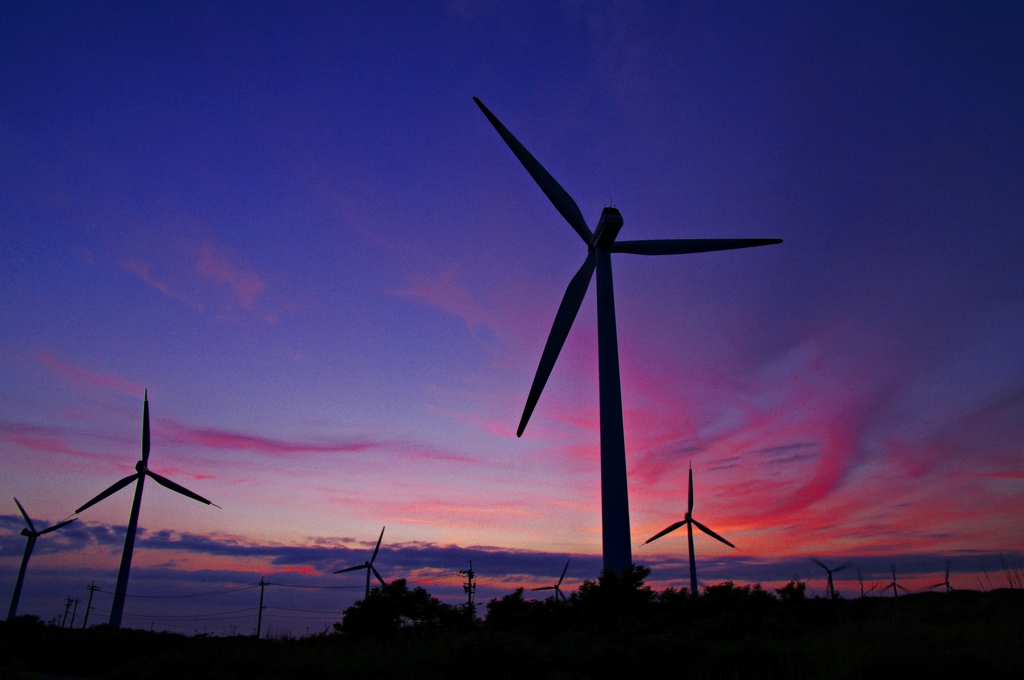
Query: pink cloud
x=141, y=270
x=46, y=440
x=443, y=291
x=1008, y=474
x=245, y=285
x=79, y=377
x=212, y=438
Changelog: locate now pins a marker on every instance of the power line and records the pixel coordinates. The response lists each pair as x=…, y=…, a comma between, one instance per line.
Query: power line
x=290, y=585
x=173, y=597
x=191, y=616
x=310, y=611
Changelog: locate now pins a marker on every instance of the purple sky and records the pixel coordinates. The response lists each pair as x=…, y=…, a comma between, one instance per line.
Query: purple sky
x=294, y=227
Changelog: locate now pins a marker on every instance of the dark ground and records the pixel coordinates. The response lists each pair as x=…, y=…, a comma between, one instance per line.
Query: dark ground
x=729, y=633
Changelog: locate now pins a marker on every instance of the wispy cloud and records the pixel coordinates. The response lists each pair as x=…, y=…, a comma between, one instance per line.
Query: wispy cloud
x=192, y=273
x=444, y=291
x=142, y=270
x=81, y=377
x=244, y=283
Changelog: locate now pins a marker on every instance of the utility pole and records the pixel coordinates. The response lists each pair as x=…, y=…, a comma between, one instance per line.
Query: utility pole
x=74, y=612
x=92, y=589
x=469, y=587
x=67, y=605
x=259, y=617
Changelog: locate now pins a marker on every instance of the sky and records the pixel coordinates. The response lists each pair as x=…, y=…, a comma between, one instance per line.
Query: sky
x=293, y=227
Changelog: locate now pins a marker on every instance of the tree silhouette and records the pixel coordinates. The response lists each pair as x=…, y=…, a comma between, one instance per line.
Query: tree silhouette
x=393, y=607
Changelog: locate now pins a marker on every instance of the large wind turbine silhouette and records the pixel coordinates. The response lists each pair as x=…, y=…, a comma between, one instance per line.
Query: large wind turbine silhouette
x=831, y=590
x=690, y=522
x=141, y=472
x=31, y=534
x=600, y=244
x=368, y=566
x=558, y=586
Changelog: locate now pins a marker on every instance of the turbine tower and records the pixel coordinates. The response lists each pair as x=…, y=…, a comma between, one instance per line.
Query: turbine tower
x=31, y=534
x=600, y=245
x=368, y=566
x=690, y=522
x=831, y=588
x=558, y=586
x=141, y=472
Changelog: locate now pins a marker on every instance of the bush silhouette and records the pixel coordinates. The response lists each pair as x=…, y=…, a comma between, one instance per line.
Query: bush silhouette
x=393, y=607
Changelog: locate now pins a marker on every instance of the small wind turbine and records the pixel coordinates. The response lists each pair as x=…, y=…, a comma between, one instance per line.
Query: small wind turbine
x=31, y=534
x=601, y=243
x=557, y=587
x=894, y=585
x=141, y=472
x=860, y=579
x=945, y=583
x=368, y=566
x=690, y=522
x=831, y=589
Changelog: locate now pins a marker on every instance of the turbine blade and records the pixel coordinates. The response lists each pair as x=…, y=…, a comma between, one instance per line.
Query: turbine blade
x=57, y=526
x=819, y=563
x=379, y=538
x=114, y=488
x=163, y=481
x=902, y=588
x=31, y=527
x=844, y=566
x=553, y=190
x=711, y=533
x=689, y=502
x=937, y=585
x=377, y=574
x=685, y=246
x=544, y=588
x=562, y=577
x=145, y=429
x=571, y=302
x=342, y=571
x=665, y=531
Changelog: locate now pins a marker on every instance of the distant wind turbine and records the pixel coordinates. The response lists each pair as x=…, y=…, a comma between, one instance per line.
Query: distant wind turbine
x=557, y=587
x=600, y=244
x=894, y=585
x=690, y=522
x=860, y=579
x=831, y=588
x=31, y=534
x=141, y=472
x=368, y=566
x=945, y=583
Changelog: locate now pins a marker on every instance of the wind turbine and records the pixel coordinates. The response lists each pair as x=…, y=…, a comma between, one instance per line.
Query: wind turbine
x=600, y=244
x=368, y=566
x=894, y=585
x=831, y=589
x=557, y=587
x=690, y=522
x=31, y=534
x=945, y=583
x=860, y=579
x=141, y=472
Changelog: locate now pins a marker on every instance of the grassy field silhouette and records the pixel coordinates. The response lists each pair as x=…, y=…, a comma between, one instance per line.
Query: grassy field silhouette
x=615, y=626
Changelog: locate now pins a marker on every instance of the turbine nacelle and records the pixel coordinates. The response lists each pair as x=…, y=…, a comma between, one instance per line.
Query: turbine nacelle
x=607, y=228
